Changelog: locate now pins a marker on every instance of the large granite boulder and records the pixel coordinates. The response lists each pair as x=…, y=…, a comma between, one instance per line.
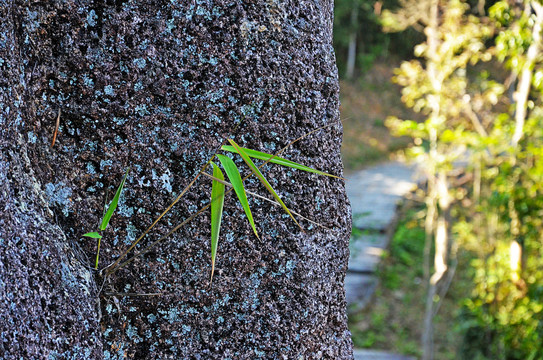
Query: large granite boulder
x=158, y=86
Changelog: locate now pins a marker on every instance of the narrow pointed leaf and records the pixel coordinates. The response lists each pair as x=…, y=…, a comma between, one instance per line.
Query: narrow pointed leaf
x=276, y=160
x=217, y=202
x=114, y=203
x=93, y=235
x=261, y=177
x=234, y=176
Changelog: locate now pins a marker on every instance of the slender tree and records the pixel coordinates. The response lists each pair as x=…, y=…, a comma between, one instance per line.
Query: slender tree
x=436, y=84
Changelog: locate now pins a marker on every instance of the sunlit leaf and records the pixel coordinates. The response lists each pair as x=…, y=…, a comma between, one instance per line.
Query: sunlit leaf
x=261, y=177
x=114, y=202
x=217, y=202
x=93, y=235
x=234, y=176
x=276, y=160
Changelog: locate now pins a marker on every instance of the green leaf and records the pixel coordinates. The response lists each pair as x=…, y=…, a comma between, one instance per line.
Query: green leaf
x=235, y=179
x=114, y=202
x=93, y=235
x=217, y=202
x=276, y=160
x=261, y=177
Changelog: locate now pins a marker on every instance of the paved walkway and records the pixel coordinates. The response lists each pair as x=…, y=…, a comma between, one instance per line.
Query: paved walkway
x=374, y=194
x=360, y=354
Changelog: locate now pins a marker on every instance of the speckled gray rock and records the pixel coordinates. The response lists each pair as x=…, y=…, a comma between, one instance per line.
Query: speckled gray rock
x=157, y=86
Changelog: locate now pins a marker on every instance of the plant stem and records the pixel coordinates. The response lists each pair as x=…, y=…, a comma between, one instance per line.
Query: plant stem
x=125, y=253
x=97, y=254
x=187, y=220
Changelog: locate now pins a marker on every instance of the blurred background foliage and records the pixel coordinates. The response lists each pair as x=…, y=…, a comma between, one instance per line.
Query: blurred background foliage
x=358, y=37
x=471, y=73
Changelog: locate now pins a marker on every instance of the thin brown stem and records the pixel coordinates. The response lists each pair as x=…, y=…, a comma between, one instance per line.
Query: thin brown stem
x=125, y=253
x=55, y=133
x=146, y=249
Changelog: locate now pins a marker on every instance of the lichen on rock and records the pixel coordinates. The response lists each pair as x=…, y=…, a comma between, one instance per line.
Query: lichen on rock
x=158, y=86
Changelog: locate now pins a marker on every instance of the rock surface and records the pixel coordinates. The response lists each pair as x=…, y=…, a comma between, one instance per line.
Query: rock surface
x=157, y=87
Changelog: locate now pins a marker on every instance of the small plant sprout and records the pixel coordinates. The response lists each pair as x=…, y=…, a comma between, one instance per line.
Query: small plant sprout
x=233, y=173
x=218, y=193
x=107, y=217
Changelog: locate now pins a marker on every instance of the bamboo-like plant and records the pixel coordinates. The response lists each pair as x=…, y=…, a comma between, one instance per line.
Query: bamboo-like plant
x=233, y=173
x=107, y=217
x=218, y=193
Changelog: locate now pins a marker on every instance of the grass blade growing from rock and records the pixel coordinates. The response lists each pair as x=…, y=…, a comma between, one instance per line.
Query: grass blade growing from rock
x=217, y=202
x=114, y=203
x=275, y=159
x=234, y=176
x=262, y=179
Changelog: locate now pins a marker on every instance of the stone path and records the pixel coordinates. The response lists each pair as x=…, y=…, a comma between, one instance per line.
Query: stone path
x=378, y=355
x=374, y=194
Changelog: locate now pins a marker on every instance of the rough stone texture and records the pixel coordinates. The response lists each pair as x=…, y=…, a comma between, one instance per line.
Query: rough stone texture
x=158, y=86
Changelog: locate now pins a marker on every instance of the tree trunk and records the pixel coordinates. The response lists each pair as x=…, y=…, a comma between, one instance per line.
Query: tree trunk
x=351, y=58
x=441, y=259
x=523, y=89
x=158, y=87
x=435, y=196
